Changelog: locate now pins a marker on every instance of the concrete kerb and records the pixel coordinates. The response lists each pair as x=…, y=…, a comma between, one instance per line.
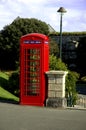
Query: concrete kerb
x=76, y=107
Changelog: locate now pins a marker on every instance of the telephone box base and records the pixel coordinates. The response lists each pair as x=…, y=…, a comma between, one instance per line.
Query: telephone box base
x=41, y=105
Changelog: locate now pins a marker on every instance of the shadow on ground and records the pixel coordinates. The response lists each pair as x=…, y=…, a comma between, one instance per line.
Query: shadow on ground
x=3, y=82
x=11, y=101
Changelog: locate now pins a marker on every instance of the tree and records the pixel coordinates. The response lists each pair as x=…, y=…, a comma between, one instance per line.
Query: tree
x=10, y=38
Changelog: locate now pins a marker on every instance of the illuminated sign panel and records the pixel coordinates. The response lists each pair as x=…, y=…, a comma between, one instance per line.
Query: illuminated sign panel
x=32, y=42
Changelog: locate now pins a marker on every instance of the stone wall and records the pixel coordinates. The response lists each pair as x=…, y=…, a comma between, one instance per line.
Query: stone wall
x=56, y=88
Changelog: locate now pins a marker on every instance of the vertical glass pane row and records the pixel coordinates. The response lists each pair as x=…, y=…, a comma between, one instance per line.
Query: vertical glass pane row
x=32, y=71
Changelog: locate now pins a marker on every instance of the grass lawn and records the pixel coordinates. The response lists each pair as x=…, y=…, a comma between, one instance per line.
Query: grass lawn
x=4, y=75
x=4, y=94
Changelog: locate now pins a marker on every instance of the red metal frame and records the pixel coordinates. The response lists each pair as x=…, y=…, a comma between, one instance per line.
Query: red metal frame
x=34, y=62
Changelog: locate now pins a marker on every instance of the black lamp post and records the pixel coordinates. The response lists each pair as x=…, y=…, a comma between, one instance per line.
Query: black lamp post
x=61, y=11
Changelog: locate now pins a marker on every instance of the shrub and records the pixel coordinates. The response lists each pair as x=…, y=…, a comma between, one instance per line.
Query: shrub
x=71, y=93
x=14, y=83
x=56, y=64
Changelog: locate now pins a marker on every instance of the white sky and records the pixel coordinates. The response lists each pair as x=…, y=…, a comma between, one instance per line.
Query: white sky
x=46, y=10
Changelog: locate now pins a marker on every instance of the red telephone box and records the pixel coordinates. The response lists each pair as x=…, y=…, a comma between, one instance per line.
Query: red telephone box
x=34, y=62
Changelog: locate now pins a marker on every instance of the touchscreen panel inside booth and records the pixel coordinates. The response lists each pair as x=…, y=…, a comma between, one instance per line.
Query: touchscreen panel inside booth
x=34, y=62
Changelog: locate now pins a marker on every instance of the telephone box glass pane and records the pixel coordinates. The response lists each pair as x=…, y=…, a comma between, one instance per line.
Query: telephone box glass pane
x=32, y=72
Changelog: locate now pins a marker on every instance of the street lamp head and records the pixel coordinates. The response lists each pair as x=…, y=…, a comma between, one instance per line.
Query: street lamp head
x=61, y=10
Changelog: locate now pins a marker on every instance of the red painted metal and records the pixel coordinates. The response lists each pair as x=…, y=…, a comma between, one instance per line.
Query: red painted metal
x=34, y=62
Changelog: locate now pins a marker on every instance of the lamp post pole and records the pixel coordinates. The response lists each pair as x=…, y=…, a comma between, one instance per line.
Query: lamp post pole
x=61, y=36
x=61, y=11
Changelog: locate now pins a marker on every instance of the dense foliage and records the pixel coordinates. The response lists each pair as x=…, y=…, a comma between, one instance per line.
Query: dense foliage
x=10, y=38
x=71, y=93
x=56, y=63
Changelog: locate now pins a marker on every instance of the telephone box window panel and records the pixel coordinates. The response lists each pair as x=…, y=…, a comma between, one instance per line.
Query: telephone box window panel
x=32, y=72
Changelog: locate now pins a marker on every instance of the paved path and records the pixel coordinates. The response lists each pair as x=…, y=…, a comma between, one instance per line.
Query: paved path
x=17, y=117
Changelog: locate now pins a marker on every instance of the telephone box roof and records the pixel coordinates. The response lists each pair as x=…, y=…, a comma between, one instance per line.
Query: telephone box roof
x=42, y=36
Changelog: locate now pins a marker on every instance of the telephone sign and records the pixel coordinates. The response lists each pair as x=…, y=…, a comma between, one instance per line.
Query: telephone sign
x=32, y=42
